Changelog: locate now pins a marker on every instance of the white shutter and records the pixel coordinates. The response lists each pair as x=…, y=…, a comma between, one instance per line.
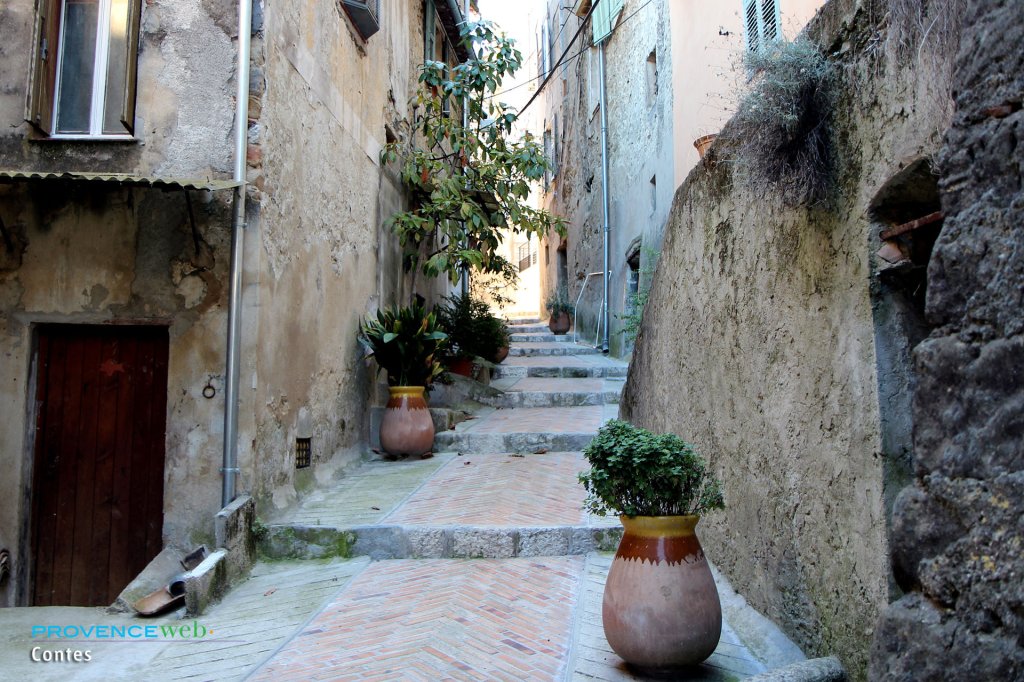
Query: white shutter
x=751, y=25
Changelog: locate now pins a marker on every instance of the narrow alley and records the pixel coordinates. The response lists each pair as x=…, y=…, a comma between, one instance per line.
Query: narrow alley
x=478, y=563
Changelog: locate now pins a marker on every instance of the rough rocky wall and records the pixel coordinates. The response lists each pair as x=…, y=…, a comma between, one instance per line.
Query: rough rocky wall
x=958, y=536
x=758, y=345
x=97, y=254
x=320, y=257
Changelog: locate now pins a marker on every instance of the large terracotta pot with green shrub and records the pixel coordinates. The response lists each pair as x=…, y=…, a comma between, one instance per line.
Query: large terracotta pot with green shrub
x=406, y=343
x=559, y=308
x=661, y=610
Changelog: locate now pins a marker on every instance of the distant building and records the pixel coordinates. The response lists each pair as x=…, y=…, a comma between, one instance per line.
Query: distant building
x=672, y=74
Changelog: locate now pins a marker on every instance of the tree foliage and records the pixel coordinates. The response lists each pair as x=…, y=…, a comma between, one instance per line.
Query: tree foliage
x=467, y=180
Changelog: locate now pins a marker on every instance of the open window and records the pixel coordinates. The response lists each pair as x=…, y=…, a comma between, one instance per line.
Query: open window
x=84, y=69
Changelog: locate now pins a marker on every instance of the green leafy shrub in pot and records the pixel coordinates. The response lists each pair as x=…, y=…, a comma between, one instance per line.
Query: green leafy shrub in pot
x=558, y=302
x=638, y=473
x=471, y=328
x=406, y=342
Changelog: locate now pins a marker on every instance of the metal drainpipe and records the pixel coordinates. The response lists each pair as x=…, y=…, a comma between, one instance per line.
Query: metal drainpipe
x=465, y=124
x=229, y=469
x=604, y=184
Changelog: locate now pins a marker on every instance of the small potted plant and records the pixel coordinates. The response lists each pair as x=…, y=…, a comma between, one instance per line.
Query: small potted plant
x=559, y=307
x=661, y=610
x=406, y=342
x=473, y=332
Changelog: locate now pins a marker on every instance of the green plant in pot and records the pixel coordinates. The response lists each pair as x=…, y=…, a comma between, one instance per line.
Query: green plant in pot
x=661, y=610
x=406, y=342
x=473, y=332
x=559, y=308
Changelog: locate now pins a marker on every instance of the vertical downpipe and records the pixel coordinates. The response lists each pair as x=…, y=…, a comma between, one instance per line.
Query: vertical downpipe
x=229, y=470
x=465, y=124
x=604, y=184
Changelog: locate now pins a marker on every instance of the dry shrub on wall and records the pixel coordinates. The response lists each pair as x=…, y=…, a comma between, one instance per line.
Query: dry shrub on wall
x=783, y=128
x=925, y=34
x=913, y=24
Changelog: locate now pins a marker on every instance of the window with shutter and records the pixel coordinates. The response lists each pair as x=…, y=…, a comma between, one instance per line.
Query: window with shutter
x=761, y=23
x=85, y=68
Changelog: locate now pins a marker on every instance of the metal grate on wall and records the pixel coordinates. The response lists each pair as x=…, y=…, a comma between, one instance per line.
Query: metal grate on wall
x=303, y=452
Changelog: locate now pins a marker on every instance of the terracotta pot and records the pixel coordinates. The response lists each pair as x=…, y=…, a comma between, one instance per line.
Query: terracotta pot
x=559, y=324
x=500, y=354
x=702, y=143
x=661, y=609
x=463, y=366
x=407, y=428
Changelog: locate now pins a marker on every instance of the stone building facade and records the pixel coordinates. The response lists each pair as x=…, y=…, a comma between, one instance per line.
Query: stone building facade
x=116, y=226
x=672, y=74
x=777, y=338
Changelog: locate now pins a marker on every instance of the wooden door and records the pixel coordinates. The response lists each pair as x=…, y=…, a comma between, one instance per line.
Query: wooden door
x=97, y=492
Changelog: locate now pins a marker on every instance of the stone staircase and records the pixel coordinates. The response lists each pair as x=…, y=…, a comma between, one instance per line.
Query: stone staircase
x=501, y=484
x=477, y=563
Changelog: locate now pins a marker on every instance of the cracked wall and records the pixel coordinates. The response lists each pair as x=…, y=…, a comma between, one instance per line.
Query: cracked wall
x=321, y=256
x=88, y=253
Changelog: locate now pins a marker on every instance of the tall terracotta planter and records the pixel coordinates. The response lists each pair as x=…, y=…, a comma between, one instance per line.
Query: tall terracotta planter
x=406, y=428
x=559, y=322
x=661, y=609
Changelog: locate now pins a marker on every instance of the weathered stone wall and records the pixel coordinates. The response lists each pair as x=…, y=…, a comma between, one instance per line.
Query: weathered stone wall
x=101, y=253
x=958, y=536
x=320, y=257
x=98, y=254
x=758, y=344
x=639, y=151
x=185, y=98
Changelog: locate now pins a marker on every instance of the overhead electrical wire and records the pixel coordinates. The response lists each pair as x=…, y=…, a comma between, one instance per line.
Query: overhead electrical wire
x=570, y=57
x=554, y=67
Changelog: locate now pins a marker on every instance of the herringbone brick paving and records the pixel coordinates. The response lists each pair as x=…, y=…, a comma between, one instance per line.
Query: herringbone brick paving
x=500, y=490
x=440, y=619
x=539, y=419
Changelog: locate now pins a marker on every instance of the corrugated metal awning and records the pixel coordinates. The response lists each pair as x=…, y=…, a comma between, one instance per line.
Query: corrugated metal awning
x=157, y=182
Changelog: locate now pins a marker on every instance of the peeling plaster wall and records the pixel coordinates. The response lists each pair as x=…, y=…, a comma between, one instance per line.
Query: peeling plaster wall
x=322, y=258
x=185, y=103
x=100, y=253
x=758, y=344
x=89, y=254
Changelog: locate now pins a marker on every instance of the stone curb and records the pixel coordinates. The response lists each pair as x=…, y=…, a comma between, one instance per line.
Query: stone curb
x=568, y=349
x=512, y=399
x=544, y=372
x=524, y=443
x=383, y=542
x=812, y=670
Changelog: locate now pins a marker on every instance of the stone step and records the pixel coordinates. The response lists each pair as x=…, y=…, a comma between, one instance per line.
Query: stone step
x=554, y=392
x=524, y=442
x=540, y=337
x=408, y=541
x=529, y=328
x=543, y=349
x=574, y=371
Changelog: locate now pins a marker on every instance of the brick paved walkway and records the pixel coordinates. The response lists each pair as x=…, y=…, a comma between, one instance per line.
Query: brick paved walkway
x=440, y=620
x=503, y=490
x=500, y=490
